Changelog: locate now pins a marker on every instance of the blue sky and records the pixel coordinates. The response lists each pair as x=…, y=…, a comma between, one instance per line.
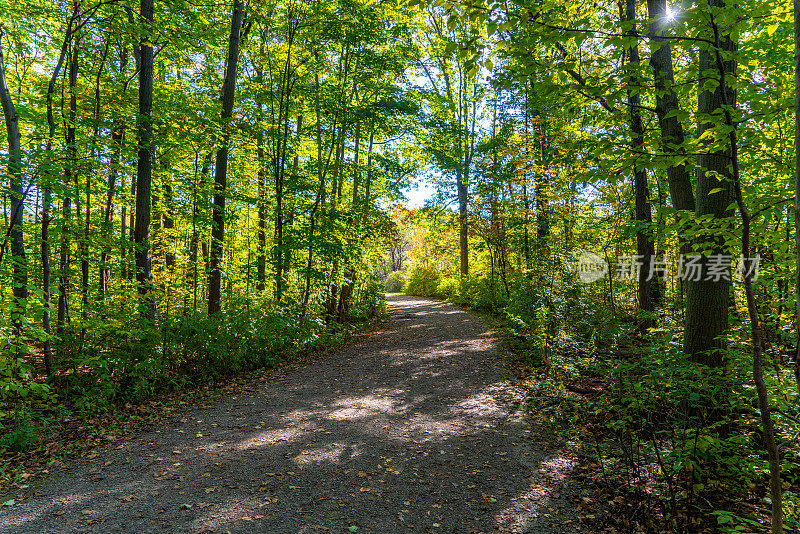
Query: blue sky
x=418, y=194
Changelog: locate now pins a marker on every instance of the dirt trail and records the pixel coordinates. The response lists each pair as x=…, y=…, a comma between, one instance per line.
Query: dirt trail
x=409, y=430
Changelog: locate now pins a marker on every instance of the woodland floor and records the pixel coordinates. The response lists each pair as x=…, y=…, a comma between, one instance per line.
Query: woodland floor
x=411, y=429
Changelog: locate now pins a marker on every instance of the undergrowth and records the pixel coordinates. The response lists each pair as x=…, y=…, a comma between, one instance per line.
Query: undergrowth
x=107, y=368
x=667, y=444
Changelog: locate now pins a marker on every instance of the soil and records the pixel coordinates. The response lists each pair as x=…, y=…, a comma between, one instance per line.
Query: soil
x=411, y=429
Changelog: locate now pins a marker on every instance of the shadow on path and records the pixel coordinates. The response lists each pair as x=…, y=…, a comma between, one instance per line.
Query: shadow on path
x=409, y=430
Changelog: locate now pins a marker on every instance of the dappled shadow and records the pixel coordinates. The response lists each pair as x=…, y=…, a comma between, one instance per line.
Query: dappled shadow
x=409, y=430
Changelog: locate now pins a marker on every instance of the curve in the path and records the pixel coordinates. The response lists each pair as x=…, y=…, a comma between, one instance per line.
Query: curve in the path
x=409, y=430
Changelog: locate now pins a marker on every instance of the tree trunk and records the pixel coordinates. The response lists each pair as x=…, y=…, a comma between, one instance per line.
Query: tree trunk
x=728, y=106
x=69, y=168
x=193, y=244
x=462, y=225
x=261, y=254
x=117, y=139
x=144, y=169
x=647, y=285
x=15, y=230
x=169, y=224
x=221, y=164
x=707, y=299
x=368, y=179
x=672, y=136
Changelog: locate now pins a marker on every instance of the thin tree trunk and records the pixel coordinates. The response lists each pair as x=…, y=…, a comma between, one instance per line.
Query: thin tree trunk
x=755, y=328
x=317, y=201
x=261, y=254
x=117, y=138
x=169, y=224
x=47, y=181
x=463, y=235
x=221, y=164
x=647, y=285
x=193, y=259
x=289, y=223
x=368, y=180
x=69, y=171
x=348, y=287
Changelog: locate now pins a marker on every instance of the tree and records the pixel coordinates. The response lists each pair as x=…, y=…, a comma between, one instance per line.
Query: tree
x=17, y=204
x=707, y=299
x=648, y=287
x=144, y=168
x=221, y=163
x=454, y=108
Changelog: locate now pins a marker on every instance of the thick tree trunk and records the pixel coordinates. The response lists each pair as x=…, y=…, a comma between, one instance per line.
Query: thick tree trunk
x=221, y=164
x=15, y=231
x=707, y=299
x=144, y=169
x=672, y=136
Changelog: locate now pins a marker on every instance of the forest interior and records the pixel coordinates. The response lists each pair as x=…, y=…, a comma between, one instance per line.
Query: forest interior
x=199, y=195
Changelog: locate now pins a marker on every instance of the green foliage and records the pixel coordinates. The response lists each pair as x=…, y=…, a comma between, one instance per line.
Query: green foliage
x=23, y=434
x=423, y=280
x=395, y=282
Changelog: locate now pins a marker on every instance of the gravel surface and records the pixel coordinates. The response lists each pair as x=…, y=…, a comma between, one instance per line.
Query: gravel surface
x=411, y=429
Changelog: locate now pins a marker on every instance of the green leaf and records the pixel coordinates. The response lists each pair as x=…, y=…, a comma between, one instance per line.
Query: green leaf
x=352, y=528
x=10, y=502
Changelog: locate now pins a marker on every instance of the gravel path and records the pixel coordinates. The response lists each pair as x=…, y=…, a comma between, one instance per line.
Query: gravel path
x=411, y=429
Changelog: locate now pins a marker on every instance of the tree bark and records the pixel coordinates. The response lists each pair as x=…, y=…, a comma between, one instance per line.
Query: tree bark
x=15, y=230
x=66, y=209
x=707, y=299
x=221, y=164
x=672, y=135
x=647, y=285
x=261, y=254
x=463, y=230
x=144, y=168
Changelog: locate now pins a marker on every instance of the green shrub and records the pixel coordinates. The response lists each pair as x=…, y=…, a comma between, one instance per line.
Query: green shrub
x=395, y=282
x=423, y=280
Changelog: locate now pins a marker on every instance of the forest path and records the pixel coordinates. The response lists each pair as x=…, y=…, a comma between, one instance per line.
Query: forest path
x=411, y=429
